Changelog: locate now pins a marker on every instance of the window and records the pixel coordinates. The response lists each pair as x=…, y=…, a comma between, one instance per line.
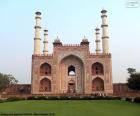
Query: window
x=97, y=69
x=45, y=69
x=71, y=71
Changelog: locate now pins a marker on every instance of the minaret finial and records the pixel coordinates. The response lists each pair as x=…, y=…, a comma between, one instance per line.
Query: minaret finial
x=57, y=37
x=85, y=37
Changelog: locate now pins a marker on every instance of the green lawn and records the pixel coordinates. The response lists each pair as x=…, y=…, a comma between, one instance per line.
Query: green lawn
x=73, y=107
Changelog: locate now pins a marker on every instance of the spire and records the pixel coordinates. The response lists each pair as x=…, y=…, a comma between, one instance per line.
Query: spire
x=84, y=41
x=45, y=50
x=105, y=34
x=97, y=33
x=57, y=37
x=57, y=42
x=85, y=38
x=37, y=38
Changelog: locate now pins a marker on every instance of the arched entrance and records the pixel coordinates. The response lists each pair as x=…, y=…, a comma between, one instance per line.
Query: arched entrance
x=97, y=84
x=71, y=87
x=45, y=85
x=71, y=67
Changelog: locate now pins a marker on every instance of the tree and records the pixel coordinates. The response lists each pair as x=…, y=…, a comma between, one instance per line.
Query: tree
x=5, y=80
x=131, y=70
x=134, y=79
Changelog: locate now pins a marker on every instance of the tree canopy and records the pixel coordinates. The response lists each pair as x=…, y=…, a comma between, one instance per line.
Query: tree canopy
x=131, y=70
x=134, y=79
x=5, y=80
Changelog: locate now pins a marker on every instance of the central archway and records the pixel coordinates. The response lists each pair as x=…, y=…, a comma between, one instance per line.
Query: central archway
x=71, y=67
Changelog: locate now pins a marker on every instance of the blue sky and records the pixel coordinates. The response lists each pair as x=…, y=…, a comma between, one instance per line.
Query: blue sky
x=70, y=20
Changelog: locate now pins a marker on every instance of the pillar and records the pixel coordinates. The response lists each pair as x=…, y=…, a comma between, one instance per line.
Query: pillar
x=105, y=34
x=45, y=50
x=37, y=38
x=97, y=33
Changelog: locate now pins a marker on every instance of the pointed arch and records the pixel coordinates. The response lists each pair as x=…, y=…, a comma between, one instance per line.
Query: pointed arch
x=45, y=69
x=72, y=62
x=97, y=84
x=97, y=69
x=45, y=85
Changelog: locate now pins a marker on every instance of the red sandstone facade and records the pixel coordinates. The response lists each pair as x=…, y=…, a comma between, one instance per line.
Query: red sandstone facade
x=71, y=69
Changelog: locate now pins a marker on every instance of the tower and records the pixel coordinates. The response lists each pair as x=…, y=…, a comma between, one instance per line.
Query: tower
x=37, y=38
x=97, y=33
x=105, y=33
x=45, y=50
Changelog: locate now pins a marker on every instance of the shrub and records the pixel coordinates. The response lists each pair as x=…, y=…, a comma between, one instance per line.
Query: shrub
x=1, y=101
x=114, y=98
x=72, y=98
x=15, y=99
x=128, y=99
x=137, y=99
x=32, y=98
x=41, y=98
x=37, y=98
x=53, y=98
x=64, y=98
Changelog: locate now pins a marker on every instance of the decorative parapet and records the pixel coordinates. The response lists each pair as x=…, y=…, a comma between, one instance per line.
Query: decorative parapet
x=57, y=42
x=100, y=55
x=42, y=56
x=71, y=45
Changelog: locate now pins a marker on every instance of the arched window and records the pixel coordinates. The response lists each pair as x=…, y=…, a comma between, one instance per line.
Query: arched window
x=45, y=69
x=97, y=69
x=45, y=85
x=97, y=84
x=71, y=71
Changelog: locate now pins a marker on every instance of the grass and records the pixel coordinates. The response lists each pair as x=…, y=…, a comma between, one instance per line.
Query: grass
x=73, y=107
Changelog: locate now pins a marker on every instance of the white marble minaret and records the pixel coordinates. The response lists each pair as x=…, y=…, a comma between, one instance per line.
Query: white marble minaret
x=45, y=50
x=105, y=33
x=97, y=33
x=37, y=38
